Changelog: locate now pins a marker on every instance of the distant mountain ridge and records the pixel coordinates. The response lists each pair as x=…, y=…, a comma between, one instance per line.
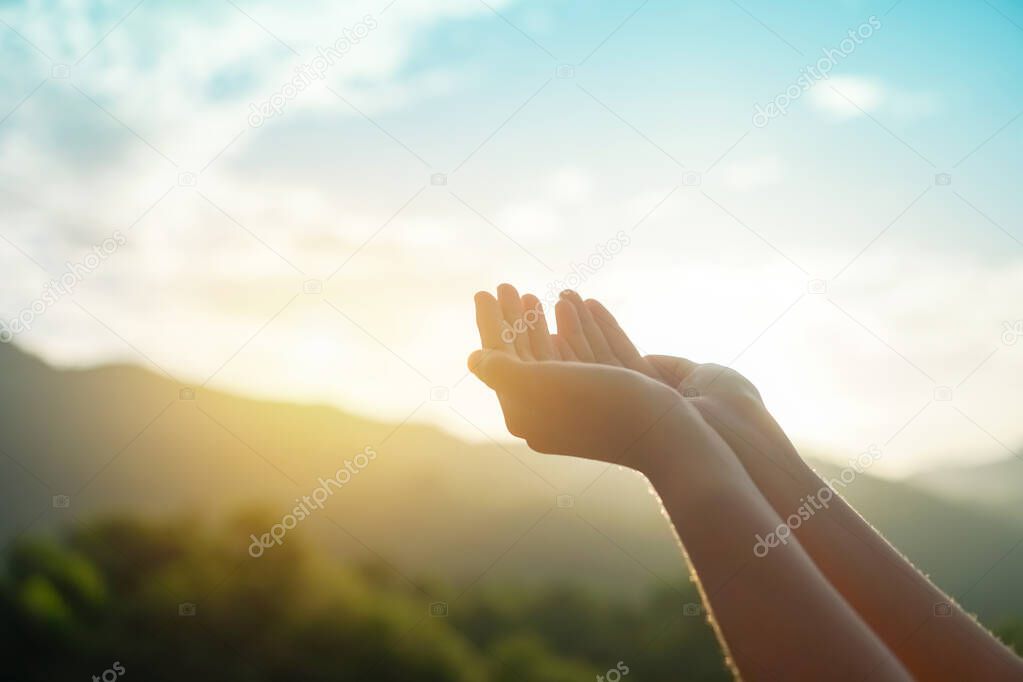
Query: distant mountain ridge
x=124, y=440
x=996, y=486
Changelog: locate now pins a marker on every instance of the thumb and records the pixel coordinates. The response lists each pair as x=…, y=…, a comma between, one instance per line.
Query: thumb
x=494, y=367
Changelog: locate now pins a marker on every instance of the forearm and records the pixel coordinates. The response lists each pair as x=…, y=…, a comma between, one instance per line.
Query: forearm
x=898, y=602
x=777, y=615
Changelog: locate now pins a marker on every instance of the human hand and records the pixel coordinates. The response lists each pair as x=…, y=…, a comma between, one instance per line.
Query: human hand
x=726, y=399
x=559, y=404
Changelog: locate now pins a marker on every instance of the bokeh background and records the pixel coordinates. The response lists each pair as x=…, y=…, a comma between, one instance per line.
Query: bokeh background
x=259, y=293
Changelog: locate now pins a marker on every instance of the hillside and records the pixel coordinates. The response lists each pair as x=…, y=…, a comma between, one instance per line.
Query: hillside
x=121, y=439
x=997, y=486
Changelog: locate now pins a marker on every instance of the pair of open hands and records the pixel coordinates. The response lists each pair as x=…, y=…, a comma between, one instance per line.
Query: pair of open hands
x=587, y=391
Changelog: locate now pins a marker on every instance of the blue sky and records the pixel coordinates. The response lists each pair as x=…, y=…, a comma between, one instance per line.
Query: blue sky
x=134, y=117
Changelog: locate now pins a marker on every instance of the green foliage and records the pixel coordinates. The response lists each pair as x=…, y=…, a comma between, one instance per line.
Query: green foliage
x=525, y=657
x=42, y=604
x=1011, y=633
x=70, y=573
x=656, y=640
x=113, y=591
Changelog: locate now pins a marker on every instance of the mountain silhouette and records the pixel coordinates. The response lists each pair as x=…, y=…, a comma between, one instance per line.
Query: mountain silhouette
x=121, y=439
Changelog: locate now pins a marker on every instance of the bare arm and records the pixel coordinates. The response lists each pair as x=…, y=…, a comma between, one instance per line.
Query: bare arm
x=930, y=633
x=933, y=637
x=778, y=616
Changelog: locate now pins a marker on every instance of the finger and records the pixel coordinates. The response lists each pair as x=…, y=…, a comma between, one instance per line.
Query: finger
x=619, y=341
x=563, y=349
x=673, y=370
x=570, y=330
x=539, y=334
x=598, y=344
x=511, y=308
x=621, y=346
x=491, y=323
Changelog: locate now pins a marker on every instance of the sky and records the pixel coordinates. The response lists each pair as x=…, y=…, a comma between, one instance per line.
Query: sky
x=299, y=202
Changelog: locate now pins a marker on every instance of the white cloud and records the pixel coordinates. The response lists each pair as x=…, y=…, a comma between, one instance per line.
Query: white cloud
x=192, y=285
x=182, y=82
x=847, y=96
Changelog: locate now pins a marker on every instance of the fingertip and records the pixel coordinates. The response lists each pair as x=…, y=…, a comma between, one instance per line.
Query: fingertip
x=531, y=301
x=573, y=297
x=482, y=296
x=567, y=318
x=598, y=309
x=505, y=289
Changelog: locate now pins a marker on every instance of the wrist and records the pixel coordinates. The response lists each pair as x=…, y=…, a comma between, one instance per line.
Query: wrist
x=660, y=448
x=653, y=413
x=684, y=449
